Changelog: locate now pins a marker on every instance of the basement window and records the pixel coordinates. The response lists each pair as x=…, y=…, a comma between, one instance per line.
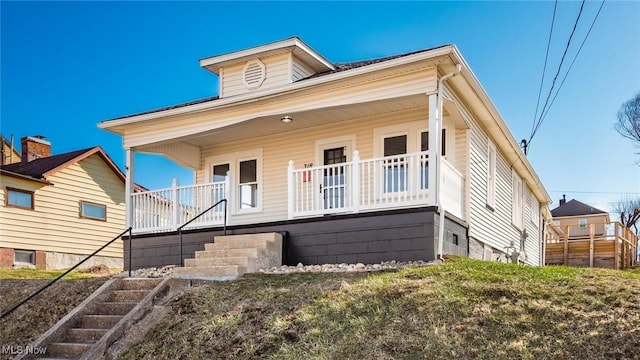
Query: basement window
x=24, y=257
x=93, y=211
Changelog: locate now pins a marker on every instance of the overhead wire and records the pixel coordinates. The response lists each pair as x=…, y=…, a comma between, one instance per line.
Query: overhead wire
x=555, y=78
x=544, y=68
x=574, y=58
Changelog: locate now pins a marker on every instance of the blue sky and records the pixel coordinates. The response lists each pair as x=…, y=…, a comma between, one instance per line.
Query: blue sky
x=65, y=66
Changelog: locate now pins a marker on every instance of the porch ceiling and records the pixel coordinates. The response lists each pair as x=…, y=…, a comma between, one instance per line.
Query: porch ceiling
x=269, y=125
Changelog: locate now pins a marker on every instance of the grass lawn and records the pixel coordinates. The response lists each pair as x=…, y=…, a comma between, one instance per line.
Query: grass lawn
x=464, y=309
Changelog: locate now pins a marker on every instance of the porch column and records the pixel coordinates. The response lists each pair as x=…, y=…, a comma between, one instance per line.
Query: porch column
x=434, y=146
x=128, y=187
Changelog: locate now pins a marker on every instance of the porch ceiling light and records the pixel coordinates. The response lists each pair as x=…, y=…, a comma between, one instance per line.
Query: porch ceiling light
x=286, y=119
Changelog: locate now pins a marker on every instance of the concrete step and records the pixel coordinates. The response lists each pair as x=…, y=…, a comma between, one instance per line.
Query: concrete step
x=217, y=253
x=67, y=350
x=222, y=272
x=114, y=308
x=99, y=321
x=127, y=295
x=245, y=237
x=241, y=244
x=85, y=336
x=217, y=261
x=139, y=284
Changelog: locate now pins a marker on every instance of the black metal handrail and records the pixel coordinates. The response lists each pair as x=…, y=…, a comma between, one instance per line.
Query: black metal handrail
x=224, y=226
x=24, y=301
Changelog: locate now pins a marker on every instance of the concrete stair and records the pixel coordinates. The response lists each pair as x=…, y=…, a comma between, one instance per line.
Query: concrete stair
x=232, y=256
x=90, y=328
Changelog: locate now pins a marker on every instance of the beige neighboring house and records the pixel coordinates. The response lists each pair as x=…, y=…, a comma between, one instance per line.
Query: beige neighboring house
x=9, y=154
x=56, y=209
x=577, y=217
x=397, y=158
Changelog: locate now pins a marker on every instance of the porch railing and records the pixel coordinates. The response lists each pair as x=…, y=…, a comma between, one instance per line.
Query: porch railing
x=166, y=209
x=358, y=185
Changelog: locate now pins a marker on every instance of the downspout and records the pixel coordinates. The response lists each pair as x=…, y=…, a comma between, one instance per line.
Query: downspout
x=439, y=124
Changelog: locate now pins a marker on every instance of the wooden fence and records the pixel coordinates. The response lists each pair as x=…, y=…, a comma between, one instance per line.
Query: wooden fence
x=613, y=249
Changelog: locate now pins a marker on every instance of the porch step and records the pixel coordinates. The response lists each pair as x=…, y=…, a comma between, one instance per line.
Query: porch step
x=229, y=257
x=214, y=252
x=67, y=350
x=84, y=332
x=222, y=272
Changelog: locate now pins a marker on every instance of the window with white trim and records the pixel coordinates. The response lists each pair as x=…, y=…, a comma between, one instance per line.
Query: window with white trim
x=582, y=223
x=491, y=175
x=93, y=211
x=517, y=207
x=19, y=198
x=535, y=211
x=245, y=171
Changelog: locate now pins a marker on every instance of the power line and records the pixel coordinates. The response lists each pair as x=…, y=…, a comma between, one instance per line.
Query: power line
x=574, y=58
x=594, y=192
x=553, y=83
x=544, y=68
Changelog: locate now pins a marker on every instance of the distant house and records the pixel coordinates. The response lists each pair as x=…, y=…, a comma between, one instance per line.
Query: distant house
x=582, y=235
x=397, y=158
x=577, y=217
x=9, y=153
x=54, y=209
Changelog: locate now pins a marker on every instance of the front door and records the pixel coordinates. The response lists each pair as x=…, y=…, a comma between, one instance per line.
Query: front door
x=334, y=178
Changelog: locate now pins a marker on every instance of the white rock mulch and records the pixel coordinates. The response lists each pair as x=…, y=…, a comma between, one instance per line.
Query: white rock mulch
x=300, y=268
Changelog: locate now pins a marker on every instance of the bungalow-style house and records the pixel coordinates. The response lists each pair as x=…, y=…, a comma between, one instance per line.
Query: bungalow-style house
x=397, y=158
x=56, y=209
x=582, y=235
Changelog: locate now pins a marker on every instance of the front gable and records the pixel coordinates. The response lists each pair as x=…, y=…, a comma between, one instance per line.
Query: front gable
x=264, y=67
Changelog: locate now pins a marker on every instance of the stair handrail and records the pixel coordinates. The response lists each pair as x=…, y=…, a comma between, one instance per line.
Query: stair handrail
x=25, y=300
x=224, y=224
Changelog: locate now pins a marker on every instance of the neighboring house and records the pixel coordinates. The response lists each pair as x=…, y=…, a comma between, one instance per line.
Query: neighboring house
x=56, y=209
x=581, y=235
x=9, y=153
x=353, y=162
x=576, y=218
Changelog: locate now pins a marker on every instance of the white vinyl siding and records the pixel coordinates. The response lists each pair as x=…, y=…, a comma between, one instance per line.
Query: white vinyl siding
x=494, y=227
x=277, y=73
x=299, y=70
x=491, y=175
x=55, y=225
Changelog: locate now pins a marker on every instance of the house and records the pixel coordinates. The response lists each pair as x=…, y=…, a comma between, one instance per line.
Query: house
x=351, y=162
x=582, y=235
x=56, y=209
x=9, y=153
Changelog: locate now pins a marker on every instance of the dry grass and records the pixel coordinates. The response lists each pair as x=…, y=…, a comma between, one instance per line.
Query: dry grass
x=38, y=315
x=463, y=309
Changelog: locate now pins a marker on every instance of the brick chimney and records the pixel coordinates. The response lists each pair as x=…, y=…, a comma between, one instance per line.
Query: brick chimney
x=563, y=200
x=35, y=147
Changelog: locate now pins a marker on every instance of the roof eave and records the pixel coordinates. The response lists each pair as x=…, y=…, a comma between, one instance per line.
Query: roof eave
x=24, y=177
x=302, y=84
x=512, y=147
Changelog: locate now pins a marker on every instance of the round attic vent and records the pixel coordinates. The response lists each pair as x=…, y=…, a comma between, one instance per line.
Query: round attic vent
x=253, y=74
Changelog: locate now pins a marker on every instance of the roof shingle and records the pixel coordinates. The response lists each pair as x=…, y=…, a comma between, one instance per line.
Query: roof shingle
x=575, y=208
x=37, y=168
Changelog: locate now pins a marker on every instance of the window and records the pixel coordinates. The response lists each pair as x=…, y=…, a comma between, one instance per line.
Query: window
x=491, y=175
x=535, y=210
x=516, y=200
x=582, y=223
x=93, y=211
x=248, y=184
x=244, y=171
x=19, y=198
x=24, y=257
x=424, y=141
x=395, y=169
